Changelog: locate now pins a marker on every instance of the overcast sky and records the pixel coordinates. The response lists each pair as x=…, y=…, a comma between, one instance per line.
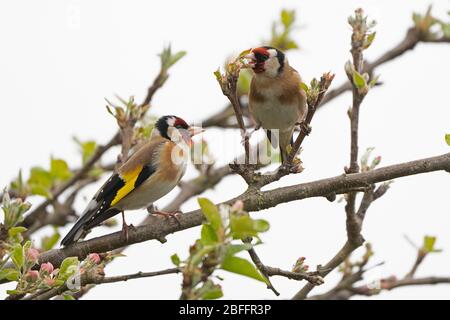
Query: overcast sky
x=59, y=60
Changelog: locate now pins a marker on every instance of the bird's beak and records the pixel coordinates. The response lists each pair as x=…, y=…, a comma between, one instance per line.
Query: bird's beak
x=195, y=130
x=189, y=133
x=251, y=59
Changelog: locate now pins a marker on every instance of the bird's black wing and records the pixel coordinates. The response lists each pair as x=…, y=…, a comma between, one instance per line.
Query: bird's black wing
x=100, y=207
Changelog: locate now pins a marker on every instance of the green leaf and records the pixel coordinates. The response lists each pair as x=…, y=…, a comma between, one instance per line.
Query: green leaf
x=211, y=213
x=9, y=274
x=87, y=148
x=13, y=292
x=48, y=242
x=176, y=57
x=15, y=231
x=17, y=256
x=68, y=268
x=68, y=297
x=26, y=246
x=232, y=249
x=243, y=226
x=208, y=235
x=213, y=292
x=40, y=190
x=290, y=44
x=59, y=169
x=40, y=176
x=374, y=81
x=40, y=182
x=175, y=259
x=358, y=80
x=447, y=139
x=304, y=86
x=245, y=52
x=261, y=225
x=369, y=40
x=243, y=267
x=428, y=243
x=287, y=17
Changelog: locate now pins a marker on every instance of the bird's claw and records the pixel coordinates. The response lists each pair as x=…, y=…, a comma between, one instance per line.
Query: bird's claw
x=168, y=215
x=291, y=167
x=125, y=229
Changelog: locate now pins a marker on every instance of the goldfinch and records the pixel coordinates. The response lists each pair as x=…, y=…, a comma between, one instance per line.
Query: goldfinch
x=276, y=100
x=149, y=174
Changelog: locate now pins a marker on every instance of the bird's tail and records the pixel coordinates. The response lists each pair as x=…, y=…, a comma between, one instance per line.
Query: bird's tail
x=80, y=226
x=78, y=229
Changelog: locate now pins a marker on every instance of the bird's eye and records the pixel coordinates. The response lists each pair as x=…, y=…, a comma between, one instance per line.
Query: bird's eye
x=264, y=58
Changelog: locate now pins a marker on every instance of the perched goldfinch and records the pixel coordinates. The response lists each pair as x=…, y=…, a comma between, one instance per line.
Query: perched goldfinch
x=276, y=100
x=149, y=174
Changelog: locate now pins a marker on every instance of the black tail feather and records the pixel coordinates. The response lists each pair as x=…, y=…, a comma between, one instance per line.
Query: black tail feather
x=77, y=230
x=102, y=217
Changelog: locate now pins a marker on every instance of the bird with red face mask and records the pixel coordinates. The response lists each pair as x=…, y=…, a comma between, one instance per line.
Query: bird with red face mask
x=149, y=174
x=276, y=100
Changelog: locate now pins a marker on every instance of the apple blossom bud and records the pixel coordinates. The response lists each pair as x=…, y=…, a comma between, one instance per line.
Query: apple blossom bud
x=32, y=275
x=47, y=267
x=94, y=257
x=32, y=255
x=50, y=282
x=237, y=206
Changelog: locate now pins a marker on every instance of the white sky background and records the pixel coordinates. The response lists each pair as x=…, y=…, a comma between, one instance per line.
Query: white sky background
x=59, y=59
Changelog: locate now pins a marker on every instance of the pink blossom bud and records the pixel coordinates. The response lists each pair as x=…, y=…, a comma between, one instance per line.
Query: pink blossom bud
x=305, y=267
x=47, y=267
x=32, y=275
x=94, y=257
x=50, y=282
x=32, y=255
x=388, y=282
x=237, y=206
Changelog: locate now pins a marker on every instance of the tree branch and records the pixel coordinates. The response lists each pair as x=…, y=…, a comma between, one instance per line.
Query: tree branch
x=97, y=279
x=158, y=228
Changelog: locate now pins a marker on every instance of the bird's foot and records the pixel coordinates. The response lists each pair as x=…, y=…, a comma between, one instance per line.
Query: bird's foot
x=306, y=128
x=125, y=230
x=168, y=215
x=294, y=167
x=126, y=227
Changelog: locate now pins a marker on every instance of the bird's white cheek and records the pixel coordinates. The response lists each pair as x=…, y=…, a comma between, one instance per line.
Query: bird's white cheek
x=271, y=67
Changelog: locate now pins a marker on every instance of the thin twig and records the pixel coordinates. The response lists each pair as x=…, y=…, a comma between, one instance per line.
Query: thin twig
x=50, y=293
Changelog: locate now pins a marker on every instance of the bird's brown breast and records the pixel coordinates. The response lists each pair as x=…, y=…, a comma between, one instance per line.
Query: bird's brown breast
x=283, y=90
x=171, y=169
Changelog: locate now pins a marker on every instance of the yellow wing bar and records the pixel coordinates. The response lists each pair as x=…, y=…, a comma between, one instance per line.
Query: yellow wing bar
x=130, y=179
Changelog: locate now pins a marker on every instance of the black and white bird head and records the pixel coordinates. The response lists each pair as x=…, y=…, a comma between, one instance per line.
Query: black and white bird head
x=174, y=128
x=266, y=60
